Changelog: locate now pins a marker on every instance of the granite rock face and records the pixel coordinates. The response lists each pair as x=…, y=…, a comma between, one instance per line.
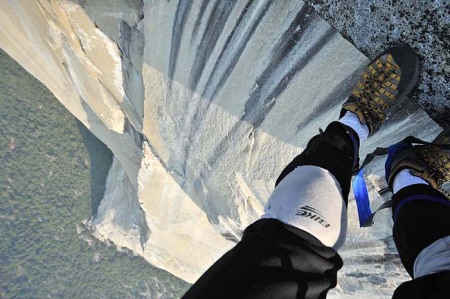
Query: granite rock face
x=202, y=104
x=371, y=26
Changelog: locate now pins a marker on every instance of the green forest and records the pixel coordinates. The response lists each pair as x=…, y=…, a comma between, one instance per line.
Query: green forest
x=52, y=178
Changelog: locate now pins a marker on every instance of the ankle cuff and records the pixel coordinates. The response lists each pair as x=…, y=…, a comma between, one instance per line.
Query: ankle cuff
x=404, y=179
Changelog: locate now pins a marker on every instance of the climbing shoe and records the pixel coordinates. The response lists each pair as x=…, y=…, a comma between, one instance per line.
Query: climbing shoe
x=388, y=78
x=429, y=161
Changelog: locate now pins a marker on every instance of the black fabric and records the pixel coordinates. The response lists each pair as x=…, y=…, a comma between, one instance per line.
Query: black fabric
x=434, y=286
x=273, y=260
x=333, y=150
x=419, y=223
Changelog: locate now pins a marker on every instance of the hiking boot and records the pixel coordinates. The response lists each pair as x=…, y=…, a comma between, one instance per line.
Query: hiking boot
x=429, y=161
x=388, y=78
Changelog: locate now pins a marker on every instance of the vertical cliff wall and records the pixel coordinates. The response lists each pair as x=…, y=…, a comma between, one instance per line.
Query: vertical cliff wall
x=202, y=104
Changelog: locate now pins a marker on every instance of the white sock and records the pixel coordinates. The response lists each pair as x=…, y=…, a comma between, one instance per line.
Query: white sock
x=404, y=179
x=351, y=119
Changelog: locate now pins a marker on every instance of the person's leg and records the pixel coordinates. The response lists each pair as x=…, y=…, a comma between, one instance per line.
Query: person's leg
x=292, y=251
x=312, y=191
x=306, y=195
x=417, y=175
x=421, y=217
x=278, y=258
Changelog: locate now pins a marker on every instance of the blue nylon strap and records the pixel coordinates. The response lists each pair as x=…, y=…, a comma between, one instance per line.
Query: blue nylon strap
x=359, y=185
x=362, y=198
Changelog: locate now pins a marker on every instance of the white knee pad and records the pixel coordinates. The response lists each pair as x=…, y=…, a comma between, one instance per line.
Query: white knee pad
x=310, y=198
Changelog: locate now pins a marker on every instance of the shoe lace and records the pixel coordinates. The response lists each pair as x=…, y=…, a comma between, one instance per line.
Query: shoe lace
x=369, y=100
x=438, y=165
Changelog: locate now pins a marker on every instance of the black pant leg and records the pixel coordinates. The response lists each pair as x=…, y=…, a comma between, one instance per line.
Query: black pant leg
x=273, y=260
x=433, y=286
x=421, y=217
x=336, y=150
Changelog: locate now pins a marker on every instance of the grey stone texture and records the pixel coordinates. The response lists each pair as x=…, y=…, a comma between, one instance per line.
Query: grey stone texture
x=372, y=26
